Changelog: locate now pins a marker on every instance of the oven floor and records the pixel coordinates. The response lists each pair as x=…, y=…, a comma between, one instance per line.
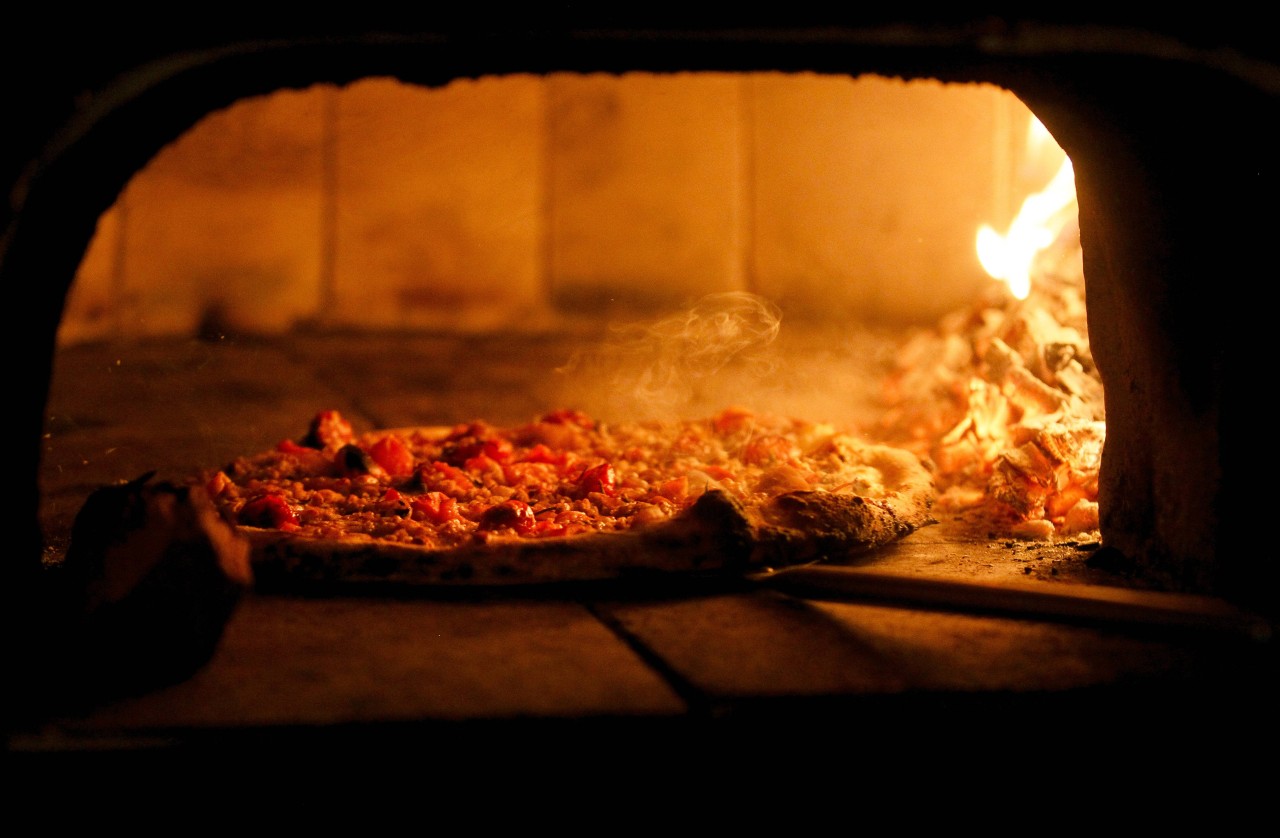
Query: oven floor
x=648, y=667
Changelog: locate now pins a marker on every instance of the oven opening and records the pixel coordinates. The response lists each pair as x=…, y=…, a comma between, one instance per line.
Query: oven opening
x=900, y=259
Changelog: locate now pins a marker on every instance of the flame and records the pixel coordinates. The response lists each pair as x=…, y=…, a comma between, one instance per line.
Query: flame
x=1024, y=419
x=1011, y=257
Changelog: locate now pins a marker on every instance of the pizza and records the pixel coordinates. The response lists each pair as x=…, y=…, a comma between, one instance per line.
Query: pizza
x=565, y=497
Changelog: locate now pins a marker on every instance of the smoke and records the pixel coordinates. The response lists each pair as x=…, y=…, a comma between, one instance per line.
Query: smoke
x=730, y=349
x=679, y=365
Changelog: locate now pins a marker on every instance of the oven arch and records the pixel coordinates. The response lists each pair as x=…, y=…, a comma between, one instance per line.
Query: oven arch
x=1179, y=480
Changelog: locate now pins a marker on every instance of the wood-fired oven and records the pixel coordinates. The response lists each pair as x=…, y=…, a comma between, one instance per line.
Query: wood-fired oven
x=1170, y=127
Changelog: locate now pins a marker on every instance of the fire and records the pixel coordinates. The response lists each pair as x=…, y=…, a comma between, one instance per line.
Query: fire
x=1004, y=397
x=1011, y=257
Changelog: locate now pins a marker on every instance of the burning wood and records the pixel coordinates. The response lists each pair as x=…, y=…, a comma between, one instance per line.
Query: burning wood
x=1009, y=409
x=1004, y=397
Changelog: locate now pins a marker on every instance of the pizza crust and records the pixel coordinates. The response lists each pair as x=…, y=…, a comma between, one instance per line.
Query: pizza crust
x=713, y=536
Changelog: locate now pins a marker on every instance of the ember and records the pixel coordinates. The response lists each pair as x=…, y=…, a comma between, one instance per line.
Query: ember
x=1004, y=396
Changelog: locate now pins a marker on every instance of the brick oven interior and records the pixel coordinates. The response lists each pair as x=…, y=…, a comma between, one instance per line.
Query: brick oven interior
x=148, y=363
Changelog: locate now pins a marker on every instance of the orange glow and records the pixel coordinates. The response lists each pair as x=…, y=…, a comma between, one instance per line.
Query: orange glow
x=1011, y=257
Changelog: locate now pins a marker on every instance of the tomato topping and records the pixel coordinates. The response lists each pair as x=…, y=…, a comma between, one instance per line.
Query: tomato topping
x=498, y=449
x=510, y=514
x=675, y=489
x=311, y=461
x=542, y=454
x=269, y=511
x=467, y=430
x=566, y=416
x=599, y=478
x=764, y=450
x=288, y=446
x=329, y=429
x=393, y=503
x=733, y=419
x=471, y=441
x=393, y=455
x=717, y=472
x=543, y=529
x=436, y=507
x=445, y=478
